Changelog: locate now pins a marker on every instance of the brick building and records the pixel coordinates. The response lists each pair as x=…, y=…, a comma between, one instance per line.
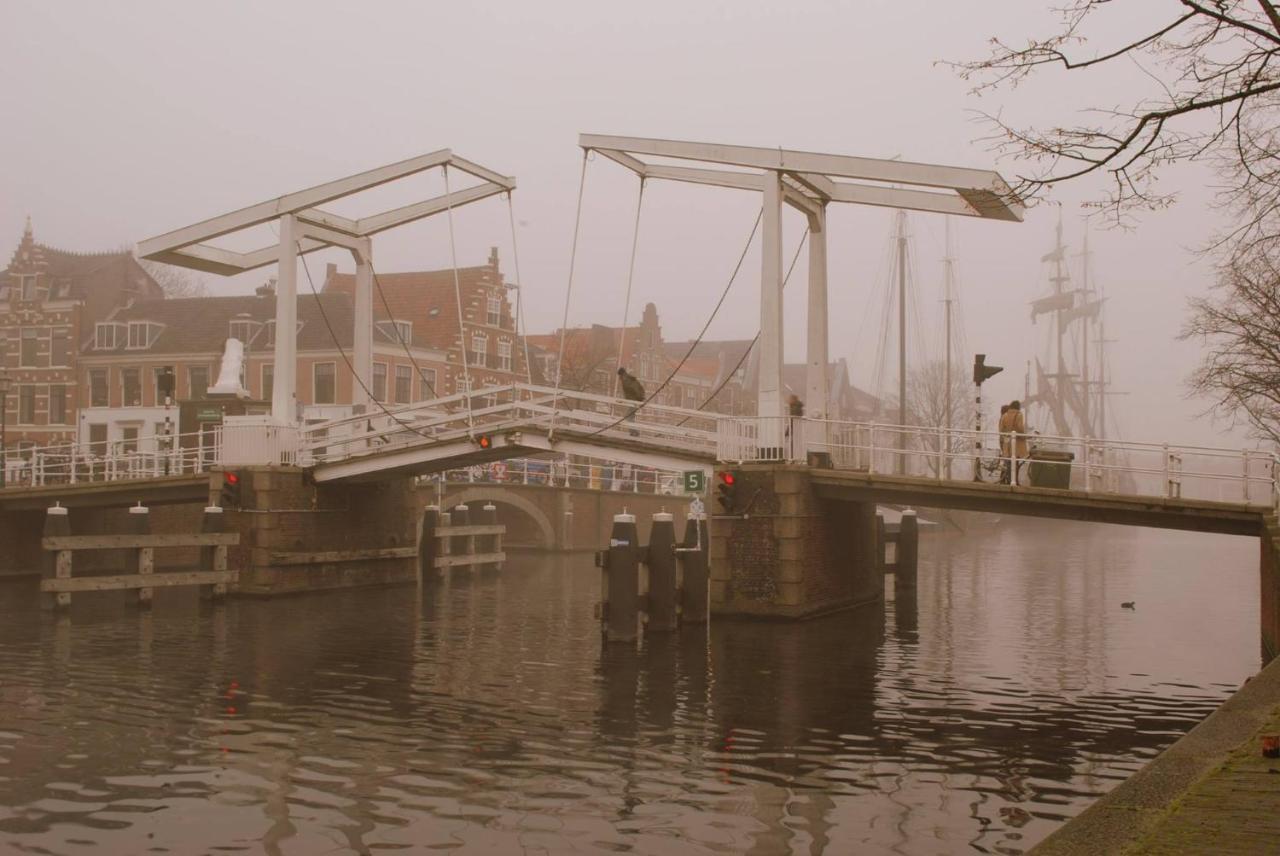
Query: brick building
x=122, y=361
x=424, y=302
x=50, y=302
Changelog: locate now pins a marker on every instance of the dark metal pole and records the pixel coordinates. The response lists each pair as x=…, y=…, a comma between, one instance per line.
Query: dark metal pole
x=902, y=342
x=4, y=413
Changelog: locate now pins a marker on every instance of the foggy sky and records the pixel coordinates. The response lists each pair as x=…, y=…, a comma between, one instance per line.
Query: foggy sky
x=128, y=120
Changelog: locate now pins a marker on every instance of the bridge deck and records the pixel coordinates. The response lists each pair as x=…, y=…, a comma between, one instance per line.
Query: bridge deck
x=160, y=490
x=1157, y=512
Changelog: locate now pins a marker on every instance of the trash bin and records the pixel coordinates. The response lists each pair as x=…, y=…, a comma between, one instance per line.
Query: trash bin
x=1050, y=468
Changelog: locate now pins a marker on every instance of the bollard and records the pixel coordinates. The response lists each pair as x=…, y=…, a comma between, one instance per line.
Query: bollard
x=694, y=570
x=490, y=543
x=620, y=581
x=661, y=559
x=57, y=563
x=212, y=557
x=428, y=544
x=882, y=544
x=908, y=550
x=138, y=522
x=461, y=545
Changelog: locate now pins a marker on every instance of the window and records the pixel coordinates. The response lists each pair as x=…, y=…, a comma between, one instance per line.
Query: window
x=504, y=356
x=60, y=351
x=129, y=438
x=98, y=395
x=323, y=382
x=131, y=386
x=268, y=380
x=493, y=310
x=198, y=381
x=57, y=405
x=243, y=329
x=427, y=384
x=271, y=332
x=404, y=382
x=108, y=335
x=380, y=381
x=142, y=334
x=479, y=350
x=28, y=284
x=27, y=405
x=397, y=331
x=162, y=383
x=29, y=356
x=462, y=385
x=98, y=439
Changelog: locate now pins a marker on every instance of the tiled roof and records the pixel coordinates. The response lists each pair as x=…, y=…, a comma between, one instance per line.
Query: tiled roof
x=202, y=324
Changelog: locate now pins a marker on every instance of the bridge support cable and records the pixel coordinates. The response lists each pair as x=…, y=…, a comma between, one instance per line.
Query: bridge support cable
x=520, y=323
x=568, y=293
x=457, y=292
x=703, y=332
x=342, y=352
x=399, y=334
x=631, y=272
x=754, y=339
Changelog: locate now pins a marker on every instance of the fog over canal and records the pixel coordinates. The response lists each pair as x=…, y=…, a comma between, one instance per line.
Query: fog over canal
x=483, y=716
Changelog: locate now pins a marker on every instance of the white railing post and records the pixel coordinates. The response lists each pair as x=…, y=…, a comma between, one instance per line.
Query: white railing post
x=1244, y=476
x=1168, y=482
x=1085, y=451
x=871, y=449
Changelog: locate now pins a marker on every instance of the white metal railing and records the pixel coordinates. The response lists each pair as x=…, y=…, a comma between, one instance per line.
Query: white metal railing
x=1246, y=476
x=590, y=474
x=115, y=460
x=509, y=408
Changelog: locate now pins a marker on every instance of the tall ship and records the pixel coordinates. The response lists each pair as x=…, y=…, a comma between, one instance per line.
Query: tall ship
x=1068, y=382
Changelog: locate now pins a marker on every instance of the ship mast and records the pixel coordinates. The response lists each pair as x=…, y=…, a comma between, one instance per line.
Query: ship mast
x=902, y=339
x=1084, y=334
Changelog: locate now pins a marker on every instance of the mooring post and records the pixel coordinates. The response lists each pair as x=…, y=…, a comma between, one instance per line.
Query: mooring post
x=212, y=557
x=908, y=550
x=138, y=522
x=661, y=559
x=56, y=563
x=620, y=581
x=462, y=545
x=490, y=543
x=882, y=544
x=428, y=545
x=694, y=570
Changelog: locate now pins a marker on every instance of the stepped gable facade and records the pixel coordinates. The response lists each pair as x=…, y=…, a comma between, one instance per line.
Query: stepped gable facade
x=50, y=302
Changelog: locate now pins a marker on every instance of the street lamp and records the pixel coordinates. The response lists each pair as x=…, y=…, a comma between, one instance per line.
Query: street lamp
x=4, y=412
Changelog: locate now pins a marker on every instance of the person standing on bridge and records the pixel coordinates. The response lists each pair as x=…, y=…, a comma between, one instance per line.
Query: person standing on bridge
x=632, y=390
x=1013, y=431
x=795, y=411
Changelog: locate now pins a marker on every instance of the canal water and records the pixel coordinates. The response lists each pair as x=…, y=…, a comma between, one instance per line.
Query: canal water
x=483, y=716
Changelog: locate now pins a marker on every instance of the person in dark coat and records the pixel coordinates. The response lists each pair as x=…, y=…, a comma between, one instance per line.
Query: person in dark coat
x=632, y=390
x=795, y=410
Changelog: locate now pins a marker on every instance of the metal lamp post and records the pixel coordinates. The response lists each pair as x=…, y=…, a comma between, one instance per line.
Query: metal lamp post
x=4, y=412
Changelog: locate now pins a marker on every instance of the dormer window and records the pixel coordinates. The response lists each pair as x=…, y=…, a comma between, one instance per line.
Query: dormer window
x=398, y=331
x=27, y=286
x=142, y=334
x=244, y=329
x=108, y=335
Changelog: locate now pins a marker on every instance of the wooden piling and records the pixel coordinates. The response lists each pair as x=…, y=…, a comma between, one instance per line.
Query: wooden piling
x=428, y=545
x=57, y=563
x=213, y=557
x=908, y=550
x=660, y=556
x=694, y=571
x=882, y=544
x=620, y=582
x=139, y=523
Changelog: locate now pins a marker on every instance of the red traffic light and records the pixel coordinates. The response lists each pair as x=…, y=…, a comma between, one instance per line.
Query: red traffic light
x=484, y=441
x=231, y=478
x=727, y=478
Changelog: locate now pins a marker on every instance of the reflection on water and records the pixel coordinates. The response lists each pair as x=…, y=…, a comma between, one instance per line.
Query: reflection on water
x=484, y=717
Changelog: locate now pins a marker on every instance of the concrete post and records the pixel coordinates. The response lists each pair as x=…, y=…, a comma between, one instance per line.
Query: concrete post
x=908, y=551
x=460, y=545
x=138, y=522
x=56, y=564
x=490, y=543
x=428, y=545
x=620, y=581
x=769, y=383
x=694, y=571
x=212, y=558
x=362, y=339
x=882, y=544
x=816, y=384
x=661, y=559
x=285, y=367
